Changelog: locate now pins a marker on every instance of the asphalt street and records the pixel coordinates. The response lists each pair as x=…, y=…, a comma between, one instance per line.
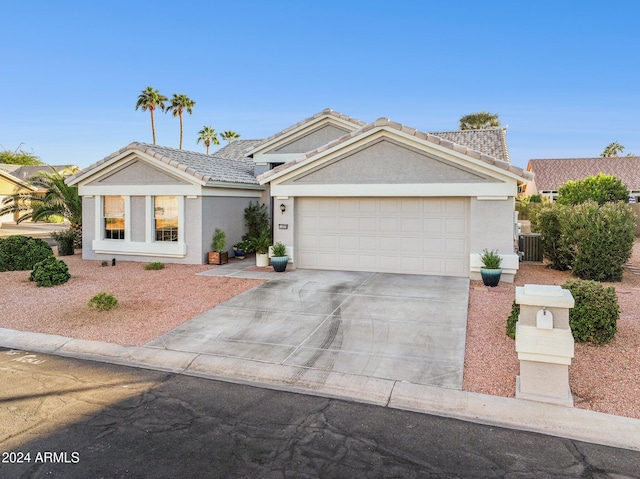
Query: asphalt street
x=67, y=418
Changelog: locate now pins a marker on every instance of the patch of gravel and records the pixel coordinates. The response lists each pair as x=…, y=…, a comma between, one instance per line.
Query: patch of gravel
x=150, y=303
x=604, y=378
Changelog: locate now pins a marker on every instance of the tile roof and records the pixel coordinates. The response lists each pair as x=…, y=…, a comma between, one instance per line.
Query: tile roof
x=208, y=168
x=237, y=149
x=551, y=173
x=325, y=112
x=24, y=173
x=430, y=137
x=492, y=141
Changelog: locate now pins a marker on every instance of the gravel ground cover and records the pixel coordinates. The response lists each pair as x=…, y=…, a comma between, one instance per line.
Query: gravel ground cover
x=603, y=378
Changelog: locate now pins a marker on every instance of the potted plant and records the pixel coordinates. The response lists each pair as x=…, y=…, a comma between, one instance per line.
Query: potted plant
x=66, y=240
x=490, y=270
x=239, y=249
x=279, y=259
x=218, y=245
x=260, y=244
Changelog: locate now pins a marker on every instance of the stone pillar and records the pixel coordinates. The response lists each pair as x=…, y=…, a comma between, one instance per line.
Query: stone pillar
x=544, y=344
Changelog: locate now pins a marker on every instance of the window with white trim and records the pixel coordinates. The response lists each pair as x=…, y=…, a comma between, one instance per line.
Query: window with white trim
x=113, y=217
x=165, y=216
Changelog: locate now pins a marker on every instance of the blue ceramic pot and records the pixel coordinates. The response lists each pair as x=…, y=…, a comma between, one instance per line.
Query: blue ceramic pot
x=279, y=263
x=490, y=277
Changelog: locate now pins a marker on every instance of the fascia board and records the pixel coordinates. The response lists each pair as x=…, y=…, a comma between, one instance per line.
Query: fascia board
x=117, y=161
x=400, y=189
x=301, y=129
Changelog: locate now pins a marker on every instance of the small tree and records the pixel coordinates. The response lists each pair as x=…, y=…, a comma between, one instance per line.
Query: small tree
x=229, y=136
x=256, y=219
x=208, y=135
x=601, y=189
x=19, y=157
x=612, y=149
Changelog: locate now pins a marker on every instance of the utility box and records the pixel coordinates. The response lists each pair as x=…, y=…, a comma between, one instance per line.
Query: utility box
x=531, y=247
x=544, y=343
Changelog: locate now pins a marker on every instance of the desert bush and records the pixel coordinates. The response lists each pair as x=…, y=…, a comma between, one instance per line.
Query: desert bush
x=601, y=189
x=256, y=219
x=154, y=265
x=602, y=238
x=50, y=272
x=527, y=205
x=21, y=253
x=103, y=302
x=594, y=317
x=556, y=246
x=512, y=320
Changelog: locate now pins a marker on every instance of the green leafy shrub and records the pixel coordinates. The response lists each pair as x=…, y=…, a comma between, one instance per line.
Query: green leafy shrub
x=66, y=240
x=535, y=199
x=595, y=316
x=556, y=247
x=256, y=219
x=21, y=253
x=103, y=302
x=491, y=259
x=50, y=272
x=512, y=320
x=219, y=241
x=279, y=249
x=601, y=189
x=154, y=265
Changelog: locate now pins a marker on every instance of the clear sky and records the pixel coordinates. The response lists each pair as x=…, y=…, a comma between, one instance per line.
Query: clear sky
x=563, y=75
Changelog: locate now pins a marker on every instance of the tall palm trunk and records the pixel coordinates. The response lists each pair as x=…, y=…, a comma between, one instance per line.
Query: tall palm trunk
x=180, y=114
x=153, y=125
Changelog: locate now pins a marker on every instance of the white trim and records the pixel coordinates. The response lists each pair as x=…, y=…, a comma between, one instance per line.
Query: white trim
x=251, y=191
x=149, y=226
x=402, y=189
x=166, y=249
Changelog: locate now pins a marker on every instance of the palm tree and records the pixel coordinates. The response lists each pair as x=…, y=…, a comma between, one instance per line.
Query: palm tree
x=229, y=136
x=180, y=103
x=151, y=99
x=612, y=149
x=54, y=197
x=208, y=135
x=479, y=121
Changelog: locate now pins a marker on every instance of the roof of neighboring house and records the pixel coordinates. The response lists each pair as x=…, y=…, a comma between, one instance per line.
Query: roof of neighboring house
x=14, y=179
x=24, y=173
x=207, y=168
x=430, y=137
x=325, y=112
x=553, y=172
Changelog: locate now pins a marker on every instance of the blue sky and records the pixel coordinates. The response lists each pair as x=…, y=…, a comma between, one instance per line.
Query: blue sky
x=563, y=75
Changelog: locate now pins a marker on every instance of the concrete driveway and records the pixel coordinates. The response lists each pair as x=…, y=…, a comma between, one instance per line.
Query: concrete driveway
x=386, y=326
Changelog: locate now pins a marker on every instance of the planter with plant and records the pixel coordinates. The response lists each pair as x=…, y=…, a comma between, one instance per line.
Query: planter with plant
x=260, y=244
x=491, y=271
x=218, y=245
x=239, y=249
x=66, y=241
x=279, y=259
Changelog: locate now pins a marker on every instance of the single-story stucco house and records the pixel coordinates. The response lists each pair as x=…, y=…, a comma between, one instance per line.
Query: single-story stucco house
x=343, y=194
x=551, y=173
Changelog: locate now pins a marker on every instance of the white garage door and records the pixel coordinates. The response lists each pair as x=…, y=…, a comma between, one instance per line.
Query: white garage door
x=392, y=235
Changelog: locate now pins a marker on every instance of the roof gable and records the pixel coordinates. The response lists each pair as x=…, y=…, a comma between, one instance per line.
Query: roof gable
x=134, y=171
x=385, y=160
x=302, y=128
x=309, y=140
x=551, y=173
x=189, y=164
x=402, y=131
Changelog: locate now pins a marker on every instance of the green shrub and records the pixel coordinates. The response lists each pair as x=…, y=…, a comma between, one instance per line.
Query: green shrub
x=601, y=189
x=535, y=199
x=490, y=259
x=219, y=242
x=595, y=315
x=512, y=320
x=103, y=302
x=50, y=272
x=66, y=241
x=279, y=249
x=21, y=253
x=154, y=266
x=256, y=219
x=556, y=246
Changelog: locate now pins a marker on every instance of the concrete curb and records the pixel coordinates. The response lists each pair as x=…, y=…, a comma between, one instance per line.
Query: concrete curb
x=572, y=423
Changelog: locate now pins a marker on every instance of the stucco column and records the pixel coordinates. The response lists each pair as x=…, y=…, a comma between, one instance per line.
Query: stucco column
x=544, y=344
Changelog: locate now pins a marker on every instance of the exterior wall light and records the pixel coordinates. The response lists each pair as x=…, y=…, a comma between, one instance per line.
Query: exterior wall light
x=283, y=208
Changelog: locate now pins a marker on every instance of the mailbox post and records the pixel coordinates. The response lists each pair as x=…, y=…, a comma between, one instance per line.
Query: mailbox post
x=544, y=343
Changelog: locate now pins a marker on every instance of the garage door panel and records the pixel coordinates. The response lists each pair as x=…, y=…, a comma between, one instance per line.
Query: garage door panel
x=395, y=235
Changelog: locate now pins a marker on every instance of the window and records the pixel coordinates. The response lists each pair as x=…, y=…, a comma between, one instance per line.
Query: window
x=113, y=213
x=165, y=215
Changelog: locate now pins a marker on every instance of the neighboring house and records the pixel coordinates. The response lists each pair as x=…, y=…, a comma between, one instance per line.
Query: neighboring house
x=550, y=174
x=9, y=185
x=344, y=195
x=25, y=173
